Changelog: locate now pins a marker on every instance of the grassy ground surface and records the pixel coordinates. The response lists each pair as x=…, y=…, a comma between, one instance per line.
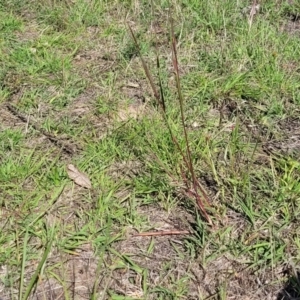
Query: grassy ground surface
x=73, y=91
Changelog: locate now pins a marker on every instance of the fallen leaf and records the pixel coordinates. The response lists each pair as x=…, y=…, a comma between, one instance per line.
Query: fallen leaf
x=78, y=177
x=131, y=112
x=133, y=85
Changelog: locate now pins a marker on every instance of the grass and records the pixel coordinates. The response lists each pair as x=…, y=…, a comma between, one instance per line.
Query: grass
x=73, y=75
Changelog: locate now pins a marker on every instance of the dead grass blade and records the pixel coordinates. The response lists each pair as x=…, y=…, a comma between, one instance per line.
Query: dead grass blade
x=162, y=233
x=253, y=11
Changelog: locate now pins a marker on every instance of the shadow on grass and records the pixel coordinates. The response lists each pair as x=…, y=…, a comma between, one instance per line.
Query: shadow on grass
x=292, y=289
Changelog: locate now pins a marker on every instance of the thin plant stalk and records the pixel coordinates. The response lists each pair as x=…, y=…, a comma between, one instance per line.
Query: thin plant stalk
x=196, y=183
x=187, y=159
x=23, y=265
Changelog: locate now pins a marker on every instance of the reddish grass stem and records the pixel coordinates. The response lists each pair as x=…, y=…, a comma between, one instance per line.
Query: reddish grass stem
x=162, y=233
x=186, y=157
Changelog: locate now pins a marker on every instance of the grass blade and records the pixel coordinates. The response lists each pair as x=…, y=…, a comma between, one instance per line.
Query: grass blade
x=23, y=265
x=39, y=267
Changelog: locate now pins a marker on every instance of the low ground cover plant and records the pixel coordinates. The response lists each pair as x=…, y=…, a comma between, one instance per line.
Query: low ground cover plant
x=149, y=150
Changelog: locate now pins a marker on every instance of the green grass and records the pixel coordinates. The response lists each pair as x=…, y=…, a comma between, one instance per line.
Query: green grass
x=72, y=71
